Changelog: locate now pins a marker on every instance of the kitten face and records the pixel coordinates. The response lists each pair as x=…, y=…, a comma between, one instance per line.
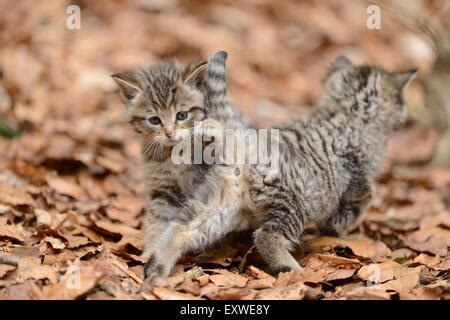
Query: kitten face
x=164, y=100
x=369, y=92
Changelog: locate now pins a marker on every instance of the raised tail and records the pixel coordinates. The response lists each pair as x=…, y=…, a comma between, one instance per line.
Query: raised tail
x=216, y=82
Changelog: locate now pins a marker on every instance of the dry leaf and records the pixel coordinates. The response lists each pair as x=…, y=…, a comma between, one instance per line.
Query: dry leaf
x=360, y=246
x=56, y=243
x=77, y=281
x=43, y=217
x=12, y=232
x=167, y=294
x=116, y=230
x=76, y=241
x=65, y=187
x=380, y=272
x=31, y=268
x=433, y=240
x=4, y=269
x=227, y=279
x=14, y=196
x=287, y=287
x=368, y=293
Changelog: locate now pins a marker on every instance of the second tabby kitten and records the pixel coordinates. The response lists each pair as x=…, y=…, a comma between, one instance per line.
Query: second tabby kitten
x=328, y=160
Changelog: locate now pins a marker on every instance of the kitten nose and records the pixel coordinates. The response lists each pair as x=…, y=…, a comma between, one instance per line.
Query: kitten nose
x=169, y=134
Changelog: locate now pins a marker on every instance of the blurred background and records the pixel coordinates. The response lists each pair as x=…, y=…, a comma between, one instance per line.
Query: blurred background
x=68, y=161
x=55, y=81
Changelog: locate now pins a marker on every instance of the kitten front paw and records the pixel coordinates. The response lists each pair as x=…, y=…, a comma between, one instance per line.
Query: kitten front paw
x=153, y=268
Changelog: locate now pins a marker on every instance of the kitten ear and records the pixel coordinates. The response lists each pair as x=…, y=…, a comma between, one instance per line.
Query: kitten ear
x=403, y=78
x=128, y=84
x=340, y=62
x=194, y=73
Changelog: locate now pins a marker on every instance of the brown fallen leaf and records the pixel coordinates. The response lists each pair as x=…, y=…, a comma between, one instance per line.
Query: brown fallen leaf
x=262, y=283
x=380, y=272
x=21, y=291
x=76, y=241
x=78, y=280
x=122, y=215
x=168, y=294
x=132, y=203
x=404, y=281
x=225, y=278
x=203, y=280
x=12, y=232
x=170, y=282
x=368, y=293
x=426, y=293
x=129, y=257
x=117, y=230
x=258, y=273
x=110, y=164
x=440, y=219
x=4, y=269
x=31, y=268
x=234, y=294
x=43, y=218
x=14, y=196
x=326, y=267
x=360, y=246
x=420, y=143
x=288, y=286
x=56, y=243
x=433, y=262
x=434, y=240
x=65, y=187
x=90, y=234
x=263, y=280
x=339, y=274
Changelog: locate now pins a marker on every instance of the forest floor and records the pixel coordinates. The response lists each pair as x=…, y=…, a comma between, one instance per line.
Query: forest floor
x=71, y=192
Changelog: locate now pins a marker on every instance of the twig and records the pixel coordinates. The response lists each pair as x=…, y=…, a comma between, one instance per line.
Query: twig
x=128, y=272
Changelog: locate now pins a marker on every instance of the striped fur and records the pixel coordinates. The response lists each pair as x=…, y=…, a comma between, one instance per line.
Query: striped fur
x=328, y=164
x=216, y=102
x=328, y=160
x=216, y=92
x=189, y=206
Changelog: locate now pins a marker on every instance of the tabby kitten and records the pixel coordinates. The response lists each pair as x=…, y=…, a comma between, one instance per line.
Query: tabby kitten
x=328, y=160
x=189, y=205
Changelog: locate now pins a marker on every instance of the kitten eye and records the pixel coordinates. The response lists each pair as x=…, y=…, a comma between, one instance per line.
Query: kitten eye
x=182, y=115
x=154, y=120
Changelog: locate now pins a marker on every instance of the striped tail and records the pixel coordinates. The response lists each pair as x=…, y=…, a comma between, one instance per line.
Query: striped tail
x=216, y=83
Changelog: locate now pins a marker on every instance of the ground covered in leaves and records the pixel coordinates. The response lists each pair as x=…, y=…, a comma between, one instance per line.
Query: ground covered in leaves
x=71, y=189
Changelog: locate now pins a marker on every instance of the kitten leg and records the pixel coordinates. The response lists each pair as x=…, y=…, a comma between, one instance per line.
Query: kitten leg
x=276, y=238
x=353, y=205
x=162, y=248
